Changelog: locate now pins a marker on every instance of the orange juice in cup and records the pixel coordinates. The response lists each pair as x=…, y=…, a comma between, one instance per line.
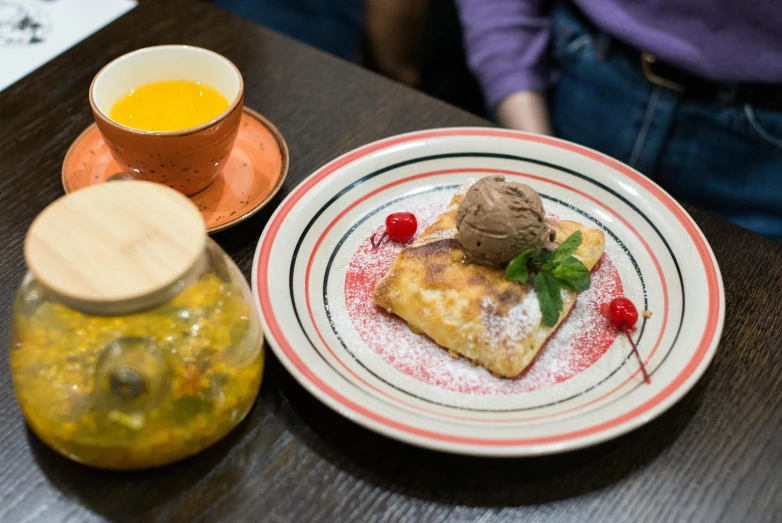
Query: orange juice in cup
x=169, y=105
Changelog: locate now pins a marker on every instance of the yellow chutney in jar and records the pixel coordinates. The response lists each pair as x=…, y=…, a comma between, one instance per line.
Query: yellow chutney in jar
x=141, y=389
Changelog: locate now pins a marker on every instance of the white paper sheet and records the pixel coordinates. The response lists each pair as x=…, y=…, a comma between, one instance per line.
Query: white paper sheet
x=32, y=32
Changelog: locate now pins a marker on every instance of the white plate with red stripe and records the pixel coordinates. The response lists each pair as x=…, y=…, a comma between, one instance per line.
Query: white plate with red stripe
x=314, y=271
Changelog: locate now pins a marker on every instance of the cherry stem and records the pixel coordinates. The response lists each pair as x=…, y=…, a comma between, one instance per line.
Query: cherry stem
x=637, y=355
x=379, y=242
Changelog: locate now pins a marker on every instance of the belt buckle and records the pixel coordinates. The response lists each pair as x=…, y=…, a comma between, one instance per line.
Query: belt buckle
x=647, y=60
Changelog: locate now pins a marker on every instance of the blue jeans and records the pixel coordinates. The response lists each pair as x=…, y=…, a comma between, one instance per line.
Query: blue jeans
x=725, y=158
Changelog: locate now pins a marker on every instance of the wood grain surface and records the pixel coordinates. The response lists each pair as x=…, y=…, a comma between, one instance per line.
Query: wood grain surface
x=715, y=456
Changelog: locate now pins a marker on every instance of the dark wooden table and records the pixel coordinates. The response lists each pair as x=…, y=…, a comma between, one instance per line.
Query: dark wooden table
x=716, y=456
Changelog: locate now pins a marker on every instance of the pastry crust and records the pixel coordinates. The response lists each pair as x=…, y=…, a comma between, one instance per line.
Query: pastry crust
x=469, y=309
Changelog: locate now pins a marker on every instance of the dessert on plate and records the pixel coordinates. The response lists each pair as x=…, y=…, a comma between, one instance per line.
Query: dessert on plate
x=492, y=277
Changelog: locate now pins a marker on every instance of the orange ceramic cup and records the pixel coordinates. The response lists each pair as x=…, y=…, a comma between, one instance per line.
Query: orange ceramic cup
x=188, y=159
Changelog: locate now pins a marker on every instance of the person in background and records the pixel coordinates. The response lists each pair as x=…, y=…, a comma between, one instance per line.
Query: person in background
x=443, y=70
x=689, y=92
x=334, y=26
x=392, y=33
x=382, y=34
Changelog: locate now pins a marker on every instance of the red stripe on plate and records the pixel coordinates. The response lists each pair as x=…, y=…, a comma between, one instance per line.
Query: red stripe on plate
x=383, y=188
x=703, y=251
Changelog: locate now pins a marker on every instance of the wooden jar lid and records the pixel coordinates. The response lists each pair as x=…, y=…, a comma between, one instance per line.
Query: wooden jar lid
x=116, y=247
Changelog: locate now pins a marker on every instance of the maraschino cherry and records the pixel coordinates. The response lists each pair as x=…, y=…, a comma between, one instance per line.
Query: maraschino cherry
x=623, y=315
x=400, y=227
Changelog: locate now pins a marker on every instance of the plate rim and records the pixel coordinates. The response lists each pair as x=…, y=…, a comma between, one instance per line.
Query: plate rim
x=517, y=450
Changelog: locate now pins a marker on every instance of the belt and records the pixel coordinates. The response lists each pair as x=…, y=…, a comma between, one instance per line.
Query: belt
x=672, y=77
x=691, y=85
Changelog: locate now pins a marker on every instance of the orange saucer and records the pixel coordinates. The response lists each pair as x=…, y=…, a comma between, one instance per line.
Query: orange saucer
x=253, y=175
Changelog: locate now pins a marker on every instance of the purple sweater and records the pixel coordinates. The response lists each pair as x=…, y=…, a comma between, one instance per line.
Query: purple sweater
x=723, y=40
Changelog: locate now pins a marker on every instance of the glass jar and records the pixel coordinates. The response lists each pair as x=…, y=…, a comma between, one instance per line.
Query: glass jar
x=144, y=380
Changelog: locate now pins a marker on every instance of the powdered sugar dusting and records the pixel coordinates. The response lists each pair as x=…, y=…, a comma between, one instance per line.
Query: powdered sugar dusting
x=469, y=182
x=580, y=341
x=442, y=234
x=515, y=325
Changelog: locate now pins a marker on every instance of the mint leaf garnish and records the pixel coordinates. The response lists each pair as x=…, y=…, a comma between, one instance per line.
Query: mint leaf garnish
x=517, y=268
x=566, y=249
x=543, y=258
x=553, y=270
x=547, y=288
x=572, y=274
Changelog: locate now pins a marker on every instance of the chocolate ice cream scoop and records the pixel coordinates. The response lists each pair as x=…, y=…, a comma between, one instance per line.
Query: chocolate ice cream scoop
x=498, y=220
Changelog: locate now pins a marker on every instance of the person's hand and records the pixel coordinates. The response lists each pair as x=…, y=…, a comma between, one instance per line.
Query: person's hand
x=525, y=111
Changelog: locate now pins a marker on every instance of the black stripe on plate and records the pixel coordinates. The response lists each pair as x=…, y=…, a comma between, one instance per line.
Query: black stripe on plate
x=378, y=172
x=458, y=407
